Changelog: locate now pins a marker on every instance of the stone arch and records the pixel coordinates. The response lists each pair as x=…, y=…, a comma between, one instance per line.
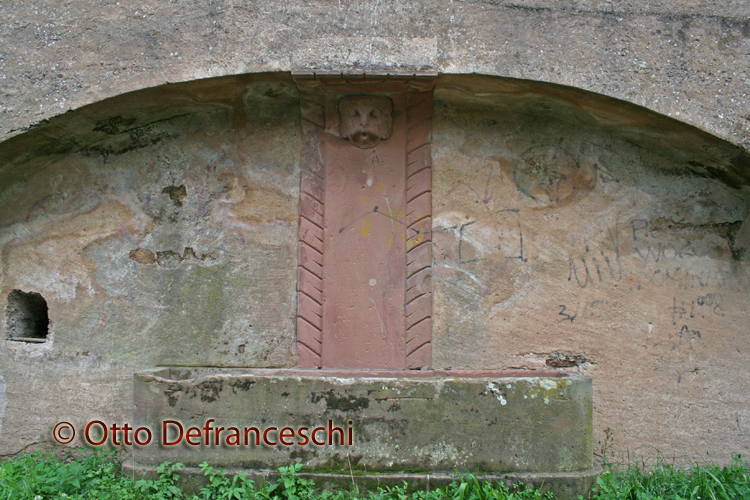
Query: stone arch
x=162, y=228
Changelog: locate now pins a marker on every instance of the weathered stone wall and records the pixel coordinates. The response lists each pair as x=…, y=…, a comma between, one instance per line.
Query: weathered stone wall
x=570, y=230
x=167, y=236
x=561, y=240
x=684, y=58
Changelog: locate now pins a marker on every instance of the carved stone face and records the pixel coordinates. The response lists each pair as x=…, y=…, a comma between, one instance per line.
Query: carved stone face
x=365, y=119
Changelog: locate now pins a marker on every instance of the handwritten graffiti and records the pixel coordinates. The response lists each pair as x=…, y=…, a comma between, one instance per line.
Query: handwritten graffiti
x=703, y=306
x=604, y=175
x=505, y=241
x=647, y=247
x=547, y=174
x=591, y=309
x=678, y=355
x=585, y=270
x=598, y=265
x=491, y=228
x=660, y=253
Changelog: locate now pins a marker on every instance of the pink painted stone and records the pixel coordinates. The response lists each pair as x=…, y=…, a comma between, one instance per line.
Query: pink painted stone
x=364, y=253
x=364, y=292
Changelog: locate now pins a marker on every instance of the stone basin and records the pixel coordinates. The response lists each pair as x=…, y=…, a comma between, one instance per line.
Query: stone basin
x=419, y=421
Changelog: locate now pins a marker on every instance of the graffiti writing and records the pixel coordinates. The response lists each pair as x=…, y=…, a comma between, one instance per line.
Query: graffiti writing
x=701, y=307
x=604, y=175
x=513, y=250
x=644, y=250
x=678, y=356
x=591, y=309
x=585, y=270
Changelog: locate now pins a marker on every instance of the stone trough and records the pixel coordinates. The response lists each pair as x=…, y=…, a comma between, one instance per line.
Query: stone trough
x=405, y=425
x=363, y=400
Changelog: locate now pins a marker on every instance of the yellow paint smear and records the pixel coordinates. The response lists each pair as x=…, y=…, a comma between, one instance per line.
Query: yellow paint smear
x=416, y=241
x=366, y=230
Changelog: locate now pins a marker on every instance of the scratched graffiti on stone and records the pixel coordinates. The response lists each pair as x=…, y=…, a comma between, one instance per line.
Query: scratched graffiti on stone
x=548, y=175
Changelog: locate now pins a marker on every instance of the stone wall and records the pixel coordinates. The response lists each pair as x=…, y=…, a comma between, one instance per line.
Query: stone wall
x=570, y=230
x=687, y=59
x=162, y=230
x=563, y=240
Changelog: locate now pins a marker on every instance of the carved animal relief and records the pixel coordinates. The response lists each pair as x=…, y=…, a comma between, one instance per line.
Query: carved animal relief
x=365, y=119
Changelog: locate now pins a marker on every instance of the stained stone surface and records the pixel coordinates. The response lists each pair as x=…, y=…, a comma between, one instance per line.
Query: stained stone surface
x=569, y=231
x=366, y=120
x=481, y=422
x=166, y=234
x=684, y=58
x=564, y=239
x=364, y=257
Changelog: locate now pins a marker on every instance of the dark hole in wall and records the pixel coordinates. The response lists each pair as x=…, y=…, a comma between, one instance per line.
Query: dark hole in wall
x=27, y=317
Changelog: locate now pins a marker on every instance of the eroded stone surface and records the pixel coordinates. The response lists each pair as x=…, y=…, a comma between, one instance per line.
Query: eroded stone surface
x=487, y=424
x=364, y=247
x=172, y=242
x=365, y=253
x=366, y=120
x=559, y=242
x=683, y=58
x=625, y=260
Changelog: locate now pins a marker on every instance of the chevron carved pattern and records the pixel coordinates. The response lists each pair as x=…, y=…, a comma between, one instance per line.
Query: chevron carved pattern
x=419, y=231
x=310, y=272
x=320, y=92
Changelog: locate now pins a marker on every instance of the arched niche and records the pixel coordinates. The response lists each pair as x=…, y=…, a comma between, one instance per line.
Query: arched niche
x=568, y=230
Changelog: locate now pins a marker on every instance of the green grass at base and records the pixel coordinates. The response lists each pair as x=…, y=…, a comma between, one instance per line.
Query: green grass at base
x=97, y=475
x=666, y=482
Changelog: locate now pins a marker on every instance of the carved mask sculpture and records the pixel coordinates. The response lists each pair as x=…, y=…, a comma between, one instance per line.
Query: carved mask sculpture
x=365, y=119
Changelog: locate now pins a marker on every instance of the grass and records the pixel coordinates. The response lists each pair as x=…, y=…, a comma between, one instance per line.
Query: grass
x=625, y=479
x=97, y=475
x=667, y=482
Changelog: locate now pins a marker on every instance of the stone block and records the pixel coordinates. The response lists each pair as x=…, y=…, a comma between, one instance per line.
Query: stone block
x=390, y=421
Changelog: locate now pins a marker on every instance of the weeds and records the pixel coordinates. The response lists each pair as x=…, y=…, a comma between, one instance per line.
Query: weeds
x=628, y=479
x=468, y=488
x=667, y=482
x=97, y=475
x=42, y=476
x=165, y=486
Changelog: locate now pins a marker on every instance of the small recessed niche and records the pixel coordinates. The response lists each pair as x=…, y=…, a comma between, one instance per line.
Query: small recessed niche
x=27, y=317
